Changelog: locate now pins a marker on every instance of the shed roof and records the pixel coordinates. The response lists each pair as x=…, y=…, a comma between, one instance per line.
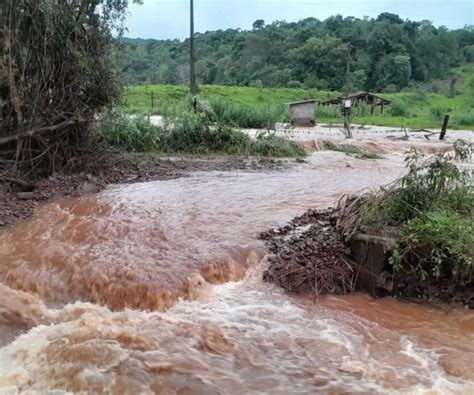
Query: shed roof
x=302, y=102
x=367, y=97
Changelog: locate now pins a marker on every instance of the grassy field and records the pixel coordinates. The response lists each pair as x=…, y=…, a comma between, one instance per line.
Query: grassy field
x=417, y=109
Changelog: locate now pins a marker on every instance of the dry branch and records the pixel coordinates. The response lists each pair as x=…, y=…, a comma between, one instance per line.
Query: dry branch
x=32, y=132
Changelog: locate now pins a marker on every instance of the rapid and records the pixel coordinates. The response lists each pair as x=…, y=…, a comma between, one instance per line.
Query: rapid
x=156, y=288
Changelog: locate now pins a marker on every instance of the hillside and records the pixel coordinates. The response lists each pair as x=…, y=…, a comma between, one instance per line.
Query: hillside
x=422, y=108
x=387, y=54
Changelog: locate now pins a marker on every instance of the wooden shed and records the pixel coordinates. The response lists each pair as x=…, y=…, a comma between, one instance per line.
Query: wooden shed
x=302, y=113
x=353, y=101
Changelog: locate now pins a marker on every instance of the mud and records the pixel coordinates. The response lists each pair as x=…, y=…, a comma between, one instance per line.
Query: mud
x=443, y=292
x=309, y=256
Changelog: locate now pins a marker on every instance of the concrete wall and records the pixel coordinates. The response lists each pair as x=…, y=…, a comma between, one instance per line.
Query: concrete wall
x=302, y=114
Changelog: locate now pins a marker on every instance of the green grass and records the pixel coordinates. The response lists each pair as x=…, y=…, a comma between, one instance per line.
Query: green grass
x=187, y=132
x=255, y=107
x=349, y=149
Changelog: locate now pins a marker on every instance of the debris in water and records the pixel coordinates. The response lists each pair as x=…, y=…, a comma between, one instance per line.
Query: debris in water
x=309, y=256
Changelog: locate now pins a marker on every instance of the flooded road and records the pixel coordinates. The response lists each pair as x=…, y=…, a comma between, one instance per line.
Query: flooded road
x=156, y=288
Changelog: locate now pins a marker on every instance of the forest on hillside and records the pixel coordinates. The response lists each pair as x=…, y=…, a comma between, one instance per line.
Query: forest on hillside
x=387, y=54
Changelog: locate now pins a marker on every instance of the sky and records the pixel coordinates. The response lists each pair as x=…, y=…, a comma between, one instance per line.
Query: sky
x=169, y=19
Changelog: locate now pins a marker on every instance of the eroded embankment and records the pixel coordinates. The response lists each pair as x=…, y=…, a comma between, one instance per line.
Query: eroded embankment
x=309, y=256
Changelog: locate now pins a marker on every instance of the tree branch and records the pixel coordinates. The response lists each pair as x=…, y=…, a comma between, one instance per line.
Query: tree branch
x=70, y=122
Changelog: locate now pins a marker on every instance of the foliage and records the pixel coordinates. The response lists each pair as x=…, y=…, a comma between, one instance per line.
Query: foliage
x=437, y=244
x=133, y=133
x=430, y=211
x=350, y=149
x=263, y=107
x=55, y=73
x=399, y=109
x=245, y=116
x=386, y=52
x=190, y=133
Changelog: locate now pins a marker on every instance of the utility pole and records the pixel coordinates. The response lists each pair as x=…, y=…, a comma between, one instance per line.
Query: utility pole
x=192, y=57
x=346, y=104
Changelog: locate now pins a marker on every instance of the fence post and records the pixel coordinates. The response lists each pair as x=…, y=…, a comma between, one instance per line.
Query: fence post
x=152, y=100
x=444, y=128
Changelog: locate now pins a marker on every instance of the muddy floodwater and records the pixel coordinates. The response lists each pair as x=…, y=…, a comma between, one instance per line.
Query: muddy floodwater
x=156, y=288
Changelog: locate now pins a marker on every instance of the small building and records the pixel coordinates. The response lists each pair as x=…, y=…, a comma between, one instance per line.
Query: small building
x=302, y=113
x=354, y=100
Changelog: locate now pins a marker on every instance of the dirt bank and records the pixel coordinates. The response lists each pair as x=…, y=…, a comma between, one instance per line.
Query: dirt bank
x=309, y=256
x=18, y=200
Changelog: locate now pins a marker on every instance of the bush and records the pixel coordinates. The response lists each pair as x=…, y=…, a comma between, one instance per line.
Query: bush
x=350, y=150
x=190, y=133
x=466, y=119
x=328, y=112
x=399, y=109
x=293, y=84
x=133, y=133
x=437, y=113
x=245, y=116
x=56, y=72
x=439, y=245
x=430, y=211
x=428, y=186
x=267, y=144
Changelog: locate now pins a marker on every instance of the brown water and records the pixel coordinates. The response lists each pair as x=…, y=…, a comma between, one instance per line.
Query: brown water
x=156, y=288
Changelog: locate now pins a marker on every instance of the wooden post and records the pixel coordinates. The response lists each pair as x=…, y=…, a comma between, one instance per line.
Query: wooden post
x=444, y=129
x=152, y=100
x=192, y=56
x=348, y=109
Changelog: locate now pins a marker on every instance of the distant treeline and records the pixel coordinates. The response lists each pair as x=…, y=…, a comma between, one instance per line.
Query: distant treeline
x=386, y=54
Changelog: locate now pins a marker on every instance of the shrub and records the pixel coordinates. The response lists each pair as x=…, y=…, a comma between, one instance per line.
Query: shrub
x=438, y=244
x=133, y=133
x=268, y=144
x=190, y=133
x=437, y=113
x=466, y=119
x=294, y=84
x=430, y=210
x=56, y=72
x=245, y=116
x=427, y=186
x=329, y=112
x=350, y=150
x=399, y=109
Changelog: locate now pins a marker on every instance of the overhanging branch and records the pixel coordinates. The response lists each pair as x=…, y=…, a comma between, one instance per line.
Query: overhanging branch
x=44, y=129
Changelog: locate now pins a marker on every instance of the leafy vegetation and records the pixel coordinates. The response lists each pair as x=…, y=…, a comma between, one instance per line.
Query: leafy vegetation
x=190, y=133
x=55, y=74
x=260, y=107
x=430, y=210
x=350, y=149
x=388, y=54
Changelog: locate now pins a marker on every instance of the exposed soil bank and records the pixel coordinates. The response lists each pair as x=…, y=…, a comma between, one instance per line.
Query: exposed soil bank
x=309, y=256
x=19, y=201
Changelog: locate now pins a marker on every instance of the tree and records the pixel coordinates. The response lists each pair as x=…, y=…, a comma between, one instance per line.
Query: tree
x=387, y=16
x=56, y=73
x=281, y=52
x=258, y=24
